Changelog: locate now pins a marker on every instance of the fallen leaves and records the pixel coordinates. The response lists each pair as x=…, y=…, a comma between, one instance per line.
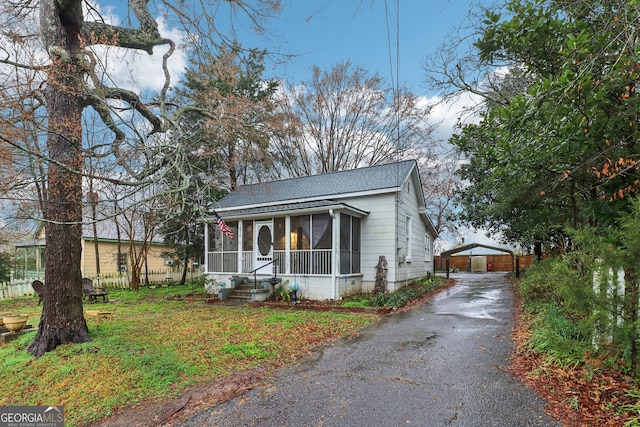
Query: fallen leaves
x=578, y=396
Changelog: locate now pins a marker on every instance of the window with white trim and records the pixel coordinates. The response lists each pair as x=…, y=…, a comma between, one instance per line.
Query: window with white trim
x=409, y=242
x=428, y=256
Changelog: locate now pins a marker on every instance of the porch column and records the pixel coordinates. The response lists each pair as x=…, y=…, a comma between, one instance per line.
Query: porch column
x=335, y=252
x=206, y=247
x=287, y=244
x=240, y=237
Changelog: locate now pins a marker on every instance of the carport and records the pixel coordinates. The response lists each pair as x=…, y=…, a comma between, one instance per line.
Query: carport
x=446, y=255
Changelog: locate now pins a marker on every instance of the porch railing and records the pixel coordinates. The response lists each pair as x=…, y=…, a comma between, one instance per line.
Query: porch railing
x=247, y=262
x=223, y=262
x=311, y=262
x=303, y=262
x=279, y=262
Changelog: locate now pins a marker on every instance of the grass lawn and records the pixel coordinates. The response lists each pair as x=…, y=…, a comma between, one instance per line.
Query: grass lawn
x=153, y=347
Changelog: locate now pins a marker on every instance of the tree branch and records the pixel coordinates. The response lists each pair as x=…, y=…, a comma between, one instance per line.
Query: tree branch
x=145, y=38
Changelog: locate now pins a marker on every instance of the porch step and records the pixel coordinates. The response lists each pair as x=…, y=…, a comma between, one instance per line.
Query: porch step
x=242, y=291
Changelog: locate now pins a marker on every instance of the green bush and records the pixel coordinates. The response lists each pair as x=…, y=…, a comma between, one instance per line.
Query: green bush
x=556, y=281
x=402, y=296
x=563, y=341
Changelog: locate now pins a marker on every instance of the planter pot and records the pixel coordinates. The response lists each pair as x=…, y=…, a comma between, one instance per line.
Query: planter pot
x=15, y=323
x=2, y=315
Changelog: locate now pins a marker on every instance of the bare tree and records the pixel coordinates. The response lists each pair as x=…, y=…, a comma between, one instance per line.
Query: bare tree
x=140, y=225
x=57, y=74
x=439, y=184
x=346, y=118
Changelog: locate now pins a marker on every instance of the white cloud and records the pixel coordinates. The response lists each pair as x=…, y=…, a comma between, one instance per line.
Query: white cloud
x=446, y=114
x=138, y=71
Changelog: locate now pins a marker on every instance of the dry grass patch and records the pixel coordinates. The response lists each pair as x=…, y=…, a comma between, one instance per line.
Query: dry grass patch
x=153, y=348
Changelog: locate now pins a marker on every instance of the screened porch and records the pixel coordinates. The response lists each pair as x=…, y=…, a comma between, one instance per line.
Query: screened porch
x=317, y=244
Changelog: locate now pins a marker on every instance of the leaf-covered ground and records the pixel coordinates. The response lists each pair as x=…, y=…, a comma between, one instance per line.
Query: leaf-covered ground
x=154, y=349
x=158, y=361
x=576, y=396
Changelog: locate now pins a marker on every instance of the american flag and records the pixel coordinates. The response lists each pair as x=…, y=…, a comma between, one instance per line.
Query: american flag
x=223, y=226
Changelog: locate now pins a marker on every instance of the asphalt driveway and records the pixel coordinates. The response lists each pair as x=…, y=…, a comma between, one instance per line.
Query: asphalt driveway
x=439, y=364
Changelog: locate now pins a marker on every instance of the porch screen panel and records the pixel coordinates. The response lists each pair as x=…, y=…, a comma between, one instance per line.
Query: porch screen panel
x=279, y=244
x=227, y=243
x=350, y=243
x=279, y=237
x=247, y=236
x=300, y=244
x=300, y=232
x=345, y=244
x=321, y=231
x=356, y=242
x=223, y=252
x=311, y=244
x=215, y=244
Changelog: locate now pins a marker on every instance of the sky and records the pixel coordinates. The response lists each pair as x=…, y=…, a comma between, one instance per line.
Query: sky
x=392, y=38
x=388, y=37
x=377, y=36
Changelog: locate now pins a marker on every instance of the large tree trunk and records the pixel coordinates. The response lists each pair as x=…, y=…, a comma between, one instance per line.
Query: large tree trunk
x=62, y=319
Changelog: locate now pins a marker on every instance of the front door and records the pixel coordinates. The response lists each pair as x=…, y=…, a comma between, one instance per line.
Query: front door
x=264, y=247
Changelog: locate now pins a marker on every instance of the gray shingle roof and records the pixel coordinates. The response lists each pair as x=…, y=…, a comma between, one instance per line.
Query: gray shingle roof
x=333, y=184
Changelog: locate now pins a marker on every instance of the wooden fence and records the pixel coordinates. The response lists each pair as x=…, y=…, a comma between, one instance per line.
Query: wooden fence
x=21, y=287
x=499, y=262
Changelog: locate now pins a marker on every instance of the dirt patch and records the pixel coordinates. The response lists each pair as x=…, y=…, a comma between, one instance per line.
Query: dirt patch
x=168, y=412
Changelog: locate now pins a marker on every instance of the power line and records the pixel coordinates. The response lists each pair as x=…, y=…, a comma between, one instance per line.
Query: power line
x=395, y=73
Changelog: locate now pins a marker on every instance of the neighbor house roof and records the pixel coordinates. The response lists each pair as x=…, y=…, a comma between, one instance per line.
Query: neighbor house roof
x=106, y=231
x=317, y=187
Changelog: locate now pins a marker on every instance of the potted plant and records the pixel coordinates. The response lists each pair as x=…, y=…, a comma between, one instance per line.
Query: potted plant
x=16, y=322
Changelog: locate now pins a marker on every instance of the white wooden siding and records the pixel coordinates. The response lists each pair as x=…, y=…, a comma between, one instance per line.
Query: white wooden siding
x=378, y=235
x=383, y=230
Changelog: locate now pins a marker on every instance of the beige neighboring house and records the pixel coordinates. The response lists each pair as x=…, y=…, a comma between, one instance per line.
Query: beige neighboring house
x=30, y=253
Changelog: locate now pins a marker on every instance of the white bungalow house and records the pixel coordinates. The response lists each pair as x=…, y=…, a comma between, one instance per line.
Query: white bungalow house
x=325, y=232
